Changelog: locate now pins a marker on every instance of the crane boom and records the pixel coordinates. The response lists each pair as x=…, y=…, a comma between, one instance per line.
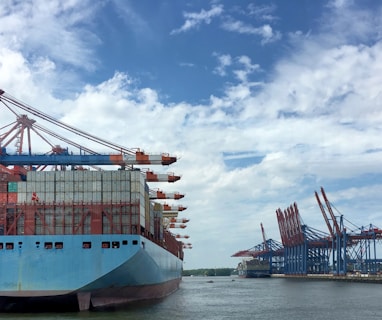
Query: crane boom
x=133, y=155
x=324, y=214
x=336, y=226
x=264, y=237
x=139, y=158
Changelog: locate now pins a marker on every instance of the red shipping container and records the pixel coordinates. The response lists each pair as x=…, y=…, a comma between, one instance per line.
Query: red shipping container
x=12, y=197
x=3, y=186
x=3, y=197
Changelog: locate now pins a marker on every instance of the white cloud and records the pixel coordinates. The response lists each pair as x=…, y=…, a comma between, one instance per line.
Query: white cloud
x=243, y=66
x=224, y=61
x=263, y=12
x=266, y=32
x=54, y=30
x=194, y=20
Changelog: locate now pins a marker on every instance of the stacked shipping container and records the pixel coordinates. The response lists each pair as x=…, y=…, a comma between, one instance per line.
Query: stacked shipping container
x=79, y=202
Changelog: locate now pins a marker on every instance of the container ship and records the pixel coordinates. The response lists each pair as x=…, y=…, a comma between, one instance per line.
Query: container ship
x=253, y=268
x=74, y=236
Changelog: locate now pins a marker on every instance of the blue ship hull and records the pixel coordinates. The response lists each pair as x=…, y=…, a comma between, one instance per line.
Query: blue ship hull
x=83, y=271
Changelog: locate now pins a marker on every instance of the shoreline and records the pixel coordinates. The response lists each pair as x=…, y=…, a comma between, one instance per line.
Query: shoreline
x=330, y=277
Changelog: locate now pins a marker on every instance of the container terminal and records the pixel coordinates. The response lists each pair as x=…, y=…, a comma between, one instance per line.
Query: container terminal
x=344, y=253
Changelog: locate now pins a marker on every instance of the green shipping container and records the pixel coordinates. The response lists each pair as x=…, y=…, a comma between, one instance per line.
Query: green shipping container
x=12, y=186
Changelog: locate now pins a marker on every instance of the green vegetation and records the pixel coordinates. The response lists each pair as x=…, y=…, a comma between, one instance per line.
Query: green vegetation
x=208, y=272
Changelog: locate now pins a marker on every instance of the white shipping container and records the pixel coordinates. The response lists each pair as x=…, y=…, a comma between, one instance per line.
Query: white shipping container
x=97, y=197
x=135, y=186
x=60, y=186
x=126, y=196
x=78, y=175
x=142, y=199
x=78, y=186
x=39, y=176
x=107, y=196
x=88, y=186
x=68, y=175
x=135, y=196
x=78, y=196
x=107, y=186
x=31, y=175
x=115, y=185
x=142, y=179
x=40, y=187
x=88, y=196
x=50, y=186
x=107, y=176
x=69, y=186
x=22, y=197
x=115, y=175
x=135, y=175
x=49, y=176
x=59, y=197
x=21, y=186
x=86, y=175
x=142, y=220
x=125, y=175
x=96, y=175
x=68, y=196
x=142, y=189
x=59, y=176
x=31, y=186
x=125, y=185
x=49, y=197
x=97, y=186
x=116, y=196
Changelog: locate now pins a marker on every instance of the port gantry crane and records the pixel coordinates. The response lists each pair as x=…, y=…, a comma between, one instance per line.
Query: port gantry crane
x=269, y=250
x=18, y=162
x=306, y=250
x=354, y=248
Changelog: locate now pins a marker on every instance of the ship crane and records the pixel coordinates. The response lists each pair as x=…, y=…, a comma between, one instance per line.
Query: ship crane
x=181, y=236
x=160, y=194
x=59, y=156
x=179, y=220
x=167, y=207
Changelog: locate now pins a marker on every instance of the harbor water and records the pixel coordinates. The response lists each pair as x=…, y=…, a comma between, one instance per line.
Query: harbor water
x=216, y=298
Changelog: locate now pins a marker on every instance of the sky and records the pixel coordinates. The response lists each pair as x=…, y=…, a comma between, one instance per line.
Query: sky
x=263, y=102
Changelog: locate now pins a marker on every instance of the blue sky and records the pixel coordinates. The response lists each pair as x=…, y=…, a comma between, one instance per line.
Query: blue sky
x=262, y=101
